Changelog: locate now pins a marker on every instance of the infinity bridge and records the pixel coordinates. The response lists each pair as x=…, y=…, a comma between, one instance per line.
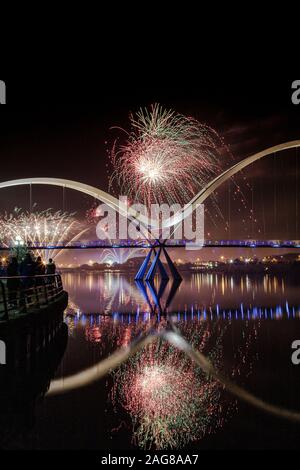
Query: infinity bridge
x=145, y=244
x=130, y=213
x=159, y=248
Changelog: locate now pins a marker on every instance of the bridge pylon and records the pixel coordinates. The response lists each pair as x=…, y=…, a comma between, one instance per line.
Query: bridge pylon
x=157, y=264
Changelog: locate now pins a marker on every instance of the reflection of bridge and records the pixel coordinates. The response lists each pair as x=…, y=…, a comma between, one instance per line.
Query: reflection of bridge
x=254, y=313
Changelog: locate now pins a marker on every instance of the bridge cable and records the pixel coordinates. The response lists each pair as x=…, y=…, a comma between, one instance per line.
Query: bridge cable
x=297, y=193
x=30, y=198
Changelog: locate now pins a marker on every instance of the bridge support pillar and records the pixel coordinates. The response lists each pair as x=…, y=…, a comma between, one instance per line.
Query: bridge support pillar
x=174, y=271
x=142, y=271
x=157, y=263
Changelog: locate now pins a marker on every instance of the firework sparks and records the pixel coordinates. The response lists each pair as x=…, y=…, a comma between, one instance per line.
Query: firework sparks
x=168, y=158
x=170, y=401
x=171, y=405
x=167, y=155
x=46, y=228
x=112, y=255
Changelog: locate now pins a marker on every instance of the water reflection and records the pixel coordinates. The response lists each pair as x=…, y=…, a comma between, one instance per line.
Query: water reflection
x=169, y=399
x=94, y=324
x=169, y=402
x=110, y=293
x=158, y=397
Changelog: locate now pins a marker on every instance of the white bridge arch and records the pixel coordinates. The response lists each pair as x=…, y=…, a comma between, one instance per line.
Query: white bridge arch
x=201, y=197
x=92, y=191
x=132, y=214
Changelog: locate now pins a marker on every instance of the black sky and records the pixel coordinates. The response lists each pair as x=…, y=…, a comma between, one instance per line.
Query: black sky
x=65, y=125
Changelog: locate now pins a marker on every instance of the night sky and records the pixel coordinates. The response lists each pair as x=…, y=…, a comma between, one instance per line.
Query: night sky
x=64, y=130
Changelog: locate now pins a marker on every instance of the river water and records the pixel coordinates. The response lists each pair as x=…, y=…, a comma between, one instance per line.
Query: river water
x=159, y=399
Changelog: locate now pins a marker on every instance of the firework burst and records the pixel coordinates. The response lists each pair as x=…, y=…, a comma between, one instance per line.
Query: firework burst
x=46, y=228
x=112, y=255
x=167, y=157
x=120, y=256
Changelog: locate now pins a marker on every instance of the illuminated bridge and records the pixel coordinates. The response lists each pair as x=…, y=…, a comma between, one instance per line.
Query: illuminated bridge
x=158, y=248
x=145, y=244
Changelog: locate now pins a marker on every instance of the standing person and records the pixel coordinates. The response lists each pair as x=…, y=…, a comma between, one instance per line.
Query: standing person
x=51, y=267
x=51, y=270
x=2, y=269
x=13, y=283
x=40, y=270
x=39, y=267
x=27, y=269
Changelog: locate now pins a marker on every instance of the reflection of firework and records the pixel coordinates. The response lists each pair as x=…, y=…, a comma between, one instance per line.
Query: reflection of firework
x=167, y=155
x=171, y=406
x=112, y=255
x=46, y=228
x=119, y=256
x=170, y=400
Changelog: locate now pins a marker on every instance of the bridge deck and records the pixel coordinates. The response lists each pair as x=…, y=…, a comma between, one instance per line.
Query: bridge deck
x=287, y=244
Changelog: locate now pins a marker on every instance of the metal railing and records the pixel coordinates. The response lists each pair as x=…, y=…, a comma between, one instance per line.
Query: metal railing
x=20, y=294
